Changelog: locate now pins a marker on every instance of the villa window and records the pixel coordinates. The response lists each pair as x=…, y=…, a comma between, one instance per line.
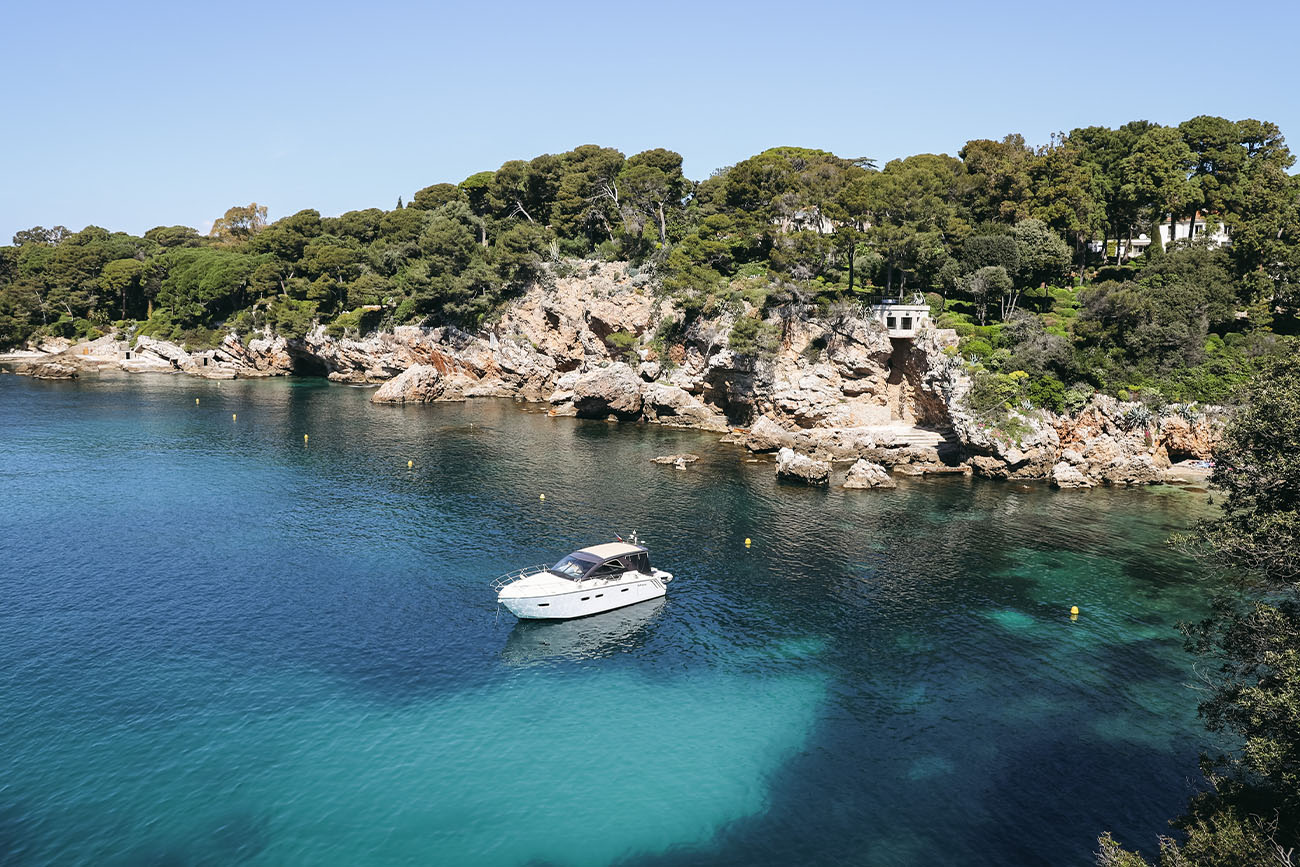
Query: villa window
x=891, y=322
x=907, y=323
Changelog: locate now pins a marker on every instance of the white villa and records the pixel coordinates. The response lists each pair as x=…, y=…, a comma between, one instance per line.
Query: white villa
x=901, y=319
x=1183, y=230
x=1192, y=229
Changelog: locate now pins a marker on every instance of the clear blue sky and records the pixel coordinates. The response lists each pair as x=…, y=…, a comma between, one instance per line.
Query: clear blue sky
x=132, y=115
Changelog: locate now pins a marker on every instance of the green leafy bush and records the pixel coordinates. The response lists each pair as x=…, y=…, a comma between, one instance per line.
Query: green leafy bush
x=992, y=394
x=753, y=337
x=291, y=318
x=1047, y=392
x=622, y=344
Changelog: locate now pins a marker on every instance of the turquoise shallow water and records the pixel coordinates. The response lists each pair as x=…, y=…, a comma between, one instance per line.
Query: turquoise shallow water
x=221, y=645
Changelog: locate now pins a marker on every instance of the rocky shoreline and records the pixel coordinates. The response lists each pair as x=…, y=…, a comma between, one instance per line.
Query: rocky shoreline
x=837, y=390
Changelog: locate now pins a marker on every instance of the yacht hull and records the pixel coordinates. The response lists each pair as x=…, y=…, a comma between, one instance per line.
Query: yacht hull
x=596, y=598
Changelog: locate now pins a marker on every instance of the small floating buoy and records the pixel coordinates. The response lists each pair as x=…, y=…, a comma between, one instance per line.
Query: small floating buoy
x=304, y=437
x=196, y=401
x=234, y=416
x=410, y=464
x=1074, y=610
x=747, y=541
x=541, y=497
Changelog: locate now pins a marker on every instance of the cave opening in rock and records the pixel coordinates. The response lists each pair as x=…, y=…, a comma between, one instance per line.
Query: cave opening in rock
x=305, y=364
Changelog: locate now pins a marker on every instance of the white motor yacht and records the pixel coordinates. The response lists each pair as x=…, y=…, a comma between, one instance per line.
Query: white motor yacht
x=588, y=581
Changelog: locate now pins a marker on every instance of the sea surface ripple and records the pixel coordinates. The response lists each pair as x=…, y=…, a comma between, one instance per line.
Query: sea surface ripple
x=221, y=643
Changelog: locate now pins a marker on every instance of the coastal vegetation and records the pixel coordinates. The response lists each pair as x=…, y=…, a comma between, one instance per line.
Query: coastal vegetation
x=1035, y=255
x=1250, y=645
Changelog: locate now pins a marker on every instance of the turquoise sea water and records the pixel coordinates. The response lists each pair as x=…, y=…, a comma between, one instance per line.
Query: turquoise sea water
x=222, y=645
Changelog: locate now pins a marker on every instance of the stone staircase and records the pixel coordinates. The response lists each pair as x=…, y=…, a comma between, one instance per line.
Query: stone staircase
x=944, y=442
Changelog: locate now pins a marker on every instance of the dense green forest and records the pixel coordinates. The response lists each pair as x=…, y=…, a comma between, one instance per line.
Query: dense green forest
x=1029, y=252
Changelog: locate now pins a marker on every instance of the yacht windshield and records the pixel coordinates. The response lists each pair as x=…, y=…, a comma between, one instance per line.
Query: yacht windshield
x=574, y=566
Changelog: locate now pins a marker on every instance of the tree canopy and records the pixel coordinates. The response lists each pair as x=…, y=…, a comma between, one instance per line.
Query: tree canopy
x=1001, y=231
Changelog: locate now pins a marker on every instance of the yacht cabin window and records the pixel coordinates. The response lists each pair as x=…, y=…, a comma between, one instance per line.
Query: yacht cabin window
x=574, y=566
x=610, y=569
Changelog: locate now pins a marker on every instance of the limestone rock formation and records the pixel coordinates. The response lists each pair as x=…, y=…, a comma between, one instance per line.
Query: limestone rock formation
x=52, y=370
x=673, y=406
x=1185, y=439
x=168, y=352
x=1068, y=475
x=865, y=474
x=792, y=465
x=420, y=383
x=767, y=436
x=834, y=387
x=604, y=391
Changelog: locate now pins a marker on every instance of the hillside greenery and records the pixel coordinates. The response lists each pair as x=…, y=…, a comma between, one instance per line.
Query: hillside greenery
x=1026, y=251
x=1249, y=647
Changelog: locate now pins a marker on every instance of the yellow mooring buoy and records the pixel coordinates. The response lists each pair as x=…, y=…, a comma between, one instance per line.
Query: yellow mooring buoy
x=196, y=401
x=1074, y=610
x=747, y=541
x=234, y=416
x=410, y=464
x=541, y=497
x=304, y=437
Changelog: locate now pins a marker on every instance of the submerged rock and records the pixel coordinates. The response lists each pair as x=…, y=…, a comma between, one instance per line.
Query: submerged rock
x=683, y=458
x=792, y=465
x=865, y=474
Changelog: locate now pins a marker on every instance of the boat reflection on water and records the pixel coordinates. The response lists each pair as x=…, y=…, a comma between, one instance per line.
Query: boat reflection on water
x=534, y=642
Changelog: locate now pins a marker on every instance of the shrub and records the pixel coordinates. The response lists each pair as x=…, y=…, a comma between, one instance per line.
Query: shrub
x=992, y=393
x=161, y=326
x=1136, y=416
x=750, y=336
x=622, y=344
x=1047, y=392
x=1077, y=396
x=241, y=323
x=935, y=300
x=355, y=322
x=406, y=311
x=199, y=337
x=976, y=346
x=959, y=322
x=290, y=318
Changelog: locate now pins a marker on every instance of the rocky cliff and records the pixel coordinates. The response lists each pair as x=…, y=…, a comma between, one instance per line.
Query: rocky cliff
x=837, y=389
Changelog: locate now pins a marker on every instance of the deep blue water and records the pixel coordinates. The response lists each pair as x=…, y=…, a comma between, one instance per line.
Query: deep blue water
x=220, y=644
